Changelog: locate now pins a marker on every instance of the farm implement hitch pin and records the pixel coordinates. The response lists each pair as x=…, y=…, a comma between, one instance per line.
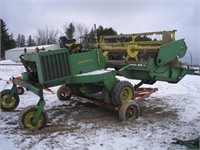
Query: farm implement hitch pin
x=191, y=144
x=39, y=110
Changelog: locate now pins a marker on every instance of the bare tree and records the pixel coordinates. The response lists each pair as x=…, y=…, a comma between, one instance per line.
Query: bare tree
x=53, y=36
x=40, y=37
x=80, y=30
x=46, y=36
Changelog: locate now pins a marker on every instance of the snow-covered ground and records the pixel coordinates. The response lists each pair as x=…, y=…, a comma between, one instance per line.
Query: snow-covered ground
x=172, y=111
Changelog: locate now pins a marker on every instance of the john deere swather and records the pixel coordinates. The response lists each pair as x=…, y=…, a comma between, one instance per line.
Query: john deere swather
x=83, y=75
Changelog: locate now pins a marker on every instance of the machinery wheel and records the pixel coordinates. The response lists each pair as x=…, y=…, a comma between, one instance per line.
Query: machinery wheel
x=122, y=93
x=129, y=111
x=64, y=93
x=76, y=90
x=106, y=96
x=26, y=116
x=20, y=90
x=8, y=106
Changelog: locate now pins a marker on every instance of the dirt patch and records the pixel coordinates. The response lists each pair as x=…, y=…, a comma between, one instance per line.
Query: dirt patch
x=73, y=117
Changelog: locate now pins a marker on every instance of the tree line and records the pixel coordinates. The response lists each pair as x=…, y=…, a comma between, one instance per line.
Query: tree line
x=46, y=35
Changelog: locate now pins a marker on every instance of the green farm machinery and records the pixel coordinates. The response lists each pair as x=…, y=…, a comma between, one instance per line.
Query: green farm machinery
x=84, y=74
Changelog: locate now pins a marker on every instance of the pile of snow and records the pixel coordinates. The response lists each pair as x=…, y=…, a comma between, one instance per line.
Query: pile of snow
x=172, y=111
x=7, y=62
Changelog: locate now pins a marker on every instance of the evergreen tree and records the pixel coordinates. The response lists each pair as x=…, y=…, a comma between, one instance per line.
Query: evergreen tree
x=39, y=41
x=22, y=41
x=69, y=31
x=105, y=31
x=29, y=41
x=11, y=36
x=142, y=38
x=33, y=42
x=18, y=41
x=101, y=31
x=12, y=41
x=6, y=42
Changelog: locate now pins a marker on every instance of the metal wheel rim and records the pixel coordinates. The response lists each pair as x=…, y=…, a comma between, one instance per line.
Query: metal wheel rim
x=4, y=101
x=126, y=94
x=82, y=89
x=19, y=90
x=28, y=121
x=65, y=92
x=130, y=112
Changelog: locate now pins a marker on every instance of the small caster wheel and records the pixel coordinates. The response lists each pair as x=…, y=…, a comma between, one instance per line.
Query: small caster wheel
x=26, y=116
x=129, y=111
x=64, y=93
x=5, y=104
x=20, y=90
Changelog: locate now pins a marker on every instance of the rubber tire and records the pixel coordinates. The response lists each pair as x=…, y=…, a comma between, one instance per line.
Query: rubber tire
x=26, y=111
x=61, y=95
x=20, y=90
x=16, y=97
x=106, y=96
x=75, y=90
x=123, y=111
x=116, y=92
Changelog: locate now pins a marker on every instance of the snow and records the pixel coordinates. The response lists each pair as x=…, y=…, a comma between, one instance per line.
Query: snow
x=172, y=111
x=96, y=72
x=8, y=62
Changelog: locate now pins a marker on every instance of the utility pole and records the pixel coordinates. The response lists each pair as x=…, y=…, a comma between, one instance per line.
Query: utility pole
x=190, y=57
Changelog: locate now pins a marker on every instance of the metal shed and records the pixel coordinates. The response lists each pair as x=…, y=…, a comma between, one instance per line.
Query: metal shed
x=13, y=54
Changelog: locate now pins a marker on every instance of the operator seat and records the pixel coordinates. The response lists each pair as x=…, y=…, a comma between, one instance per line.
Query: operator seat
x=70, y=44
x=65, y=43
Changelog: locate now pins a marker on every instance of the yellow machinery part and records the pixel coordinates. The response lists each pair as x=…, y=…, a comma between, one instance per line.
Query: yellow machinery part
x=82, y=89
x=105, y=54
x=132, y=54
x=124, y=48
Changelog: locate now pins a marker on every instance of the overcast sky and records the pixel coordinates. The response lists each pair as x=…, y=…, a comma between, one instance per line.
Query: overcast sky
x=125, y=16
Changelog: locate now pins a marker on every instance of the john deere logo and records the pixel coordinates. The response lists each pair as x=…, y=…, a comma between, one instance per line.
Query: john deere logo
x=85, y=61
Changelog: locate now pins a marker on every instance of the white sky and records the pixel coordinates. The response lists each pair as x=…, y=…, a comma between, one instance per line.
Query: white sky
x=125, y=16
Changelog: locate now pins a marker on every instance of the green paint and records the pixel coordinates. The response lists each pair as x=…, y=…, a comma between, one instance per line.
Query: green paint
x=12, y=92
x=40, y=108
